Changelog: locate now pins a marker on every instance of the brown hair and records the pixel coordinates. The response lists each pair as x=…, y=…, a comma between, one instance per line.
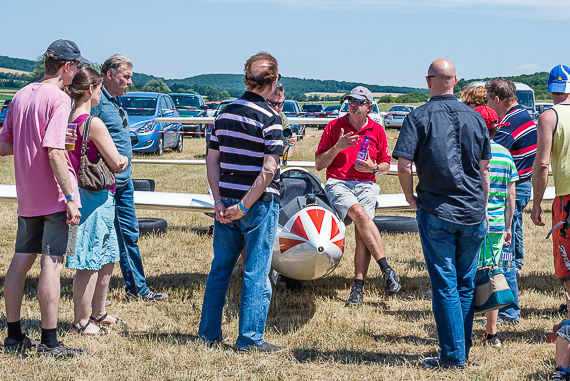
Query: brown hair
x=474, y=94
x=52, y=64
x=84, y=78
x=279, y=90
x=502, y=88
x=492, y=132
x=260, y=71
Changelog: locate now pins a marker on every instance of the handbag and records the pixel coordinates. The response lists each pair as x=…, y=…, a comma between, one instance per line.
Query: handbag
x=491, y=289
x=95, y=176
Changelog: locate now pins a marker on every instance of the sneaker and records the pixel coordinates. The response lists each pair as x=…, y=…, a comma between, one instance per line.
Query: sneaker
x=23, y=345
x=216, y=343
x=559, y=375
x=391, y=280
x=436, y=363
x=504, y=320
x=263, y=348
x=61, y=351
x=151, y=295
x=493, y=342
x=356, y=297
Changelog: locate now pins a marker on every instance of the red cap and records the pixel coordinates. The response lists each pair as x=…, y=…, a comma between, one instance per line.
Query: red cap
x=489, y=116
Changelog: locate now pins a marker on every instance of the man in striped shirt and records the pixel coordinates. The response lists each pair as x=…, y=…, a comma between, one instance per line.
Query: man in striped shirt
x=243, y=174
x=517, y=134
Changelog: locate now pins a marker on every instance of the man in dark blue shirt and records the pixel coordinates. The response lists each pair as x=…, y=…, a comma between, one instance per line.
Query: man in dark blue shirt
x=117, y=72
x=450, y=146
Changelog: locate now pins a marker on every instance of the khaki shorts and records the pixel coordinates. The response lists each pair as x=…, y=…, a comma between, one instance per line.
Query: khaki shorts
x=48, y=235
x=345, y=193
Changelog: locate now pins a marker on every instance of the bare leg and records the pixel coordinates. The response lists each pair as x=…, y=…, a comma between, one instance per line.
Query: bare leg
x=566, y=285
x=14, y=284
x=361, y=257
x=49, y=289
x=492, y=322
x=100, y=295
x=84, y=284
x=368, y=231
x=562, y=352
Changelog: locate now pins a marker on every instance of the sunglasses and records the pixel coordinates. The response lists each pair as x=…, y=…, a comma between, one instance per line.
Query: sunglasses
x=275, y=104
x=359, y=102
x=123, y=115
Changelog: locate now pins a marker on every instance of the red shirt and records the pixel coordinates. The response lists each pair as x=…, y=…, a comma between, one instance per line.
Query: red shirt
x=342, y=167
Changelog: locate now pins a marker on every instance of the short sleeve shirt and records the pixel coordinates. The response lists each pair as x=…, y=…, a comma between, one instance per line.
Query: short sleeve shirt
x=503, y=172
x=37, y=121
x=342, y=167
x=446, y=139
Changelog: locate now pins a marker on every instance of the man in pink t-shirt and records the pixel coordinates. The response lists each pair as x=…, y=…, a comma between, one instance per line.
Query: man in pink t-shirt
x=351, y=183
x=48, y=201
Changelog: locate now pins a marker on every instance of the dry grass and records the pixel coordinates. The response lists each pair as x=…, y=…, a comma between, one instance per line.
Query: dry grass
x=385, y=339
x=13, y=71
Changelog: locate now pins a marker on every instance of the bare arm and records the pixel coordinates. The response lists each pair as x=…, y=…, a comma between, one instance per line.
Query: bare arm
x=407, y=181
x=324, y=159
x=60, y=170
x=484, y=170
x=509, y=212
x=213, y=174
x=545, y=131
x=100, y=136
x=270, y=165
x=6, y=149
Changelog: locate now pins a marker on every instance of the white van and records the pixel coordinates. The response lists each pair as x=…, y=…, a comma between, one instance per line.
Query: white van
x=524, y=92
x=375, y=114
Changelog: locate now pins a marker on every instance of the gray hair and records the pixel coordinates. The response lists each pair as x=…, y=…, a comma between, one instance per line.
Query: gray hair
x=114, y=63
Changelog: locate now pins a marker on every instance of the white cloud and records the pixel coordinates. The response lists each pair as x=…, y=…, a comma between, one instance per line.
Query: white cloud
x=545, y=9
x=529, y=67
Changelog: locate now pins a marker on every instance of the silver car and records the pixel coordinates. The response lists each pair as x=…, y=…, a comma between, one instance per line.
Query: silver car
x=395, y=116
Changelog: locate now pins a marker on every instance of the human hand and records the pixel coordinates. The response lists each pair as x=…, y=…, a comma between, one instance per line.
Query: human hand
x=123, y=164
x=73, y=213
x=508, y=237
x=234, y=212
x=220, y=213
x=412, y=202
x=535, y=215
x=367, y=165
x=345, y=141
x=70, y=135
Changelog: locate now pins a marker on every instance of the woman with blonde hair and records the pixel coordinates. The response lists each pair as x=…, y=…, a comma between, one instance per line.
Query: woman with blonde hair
x=97, y=249
x=474, y=96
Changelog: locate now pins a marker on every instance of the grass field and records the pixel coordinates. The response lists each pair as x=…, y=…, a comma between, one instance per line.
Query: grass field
x=385, y=339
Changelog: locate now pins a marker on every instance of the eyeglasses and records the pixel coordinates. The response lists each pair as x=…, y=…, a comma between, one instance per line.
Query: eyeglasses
x=123, y=115
x=430, y=76
x=275, y=104
x=359, y=102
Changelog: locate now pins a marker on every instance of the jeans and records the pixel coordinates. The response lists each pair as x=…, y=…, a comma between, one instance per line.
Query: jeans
x=127, y=228
x=512, y=311
x=256, y=230
x=451, y=253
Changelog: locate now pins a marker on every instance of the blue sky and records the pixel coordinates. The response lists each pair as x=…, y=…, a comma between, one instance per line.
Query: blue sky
x=384, y=42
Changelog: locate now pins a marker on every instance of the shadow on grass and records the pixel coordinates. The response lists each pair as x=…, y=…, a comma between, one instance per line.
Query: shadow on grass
x=393, y=339
x=345, y=356
x=539, y=282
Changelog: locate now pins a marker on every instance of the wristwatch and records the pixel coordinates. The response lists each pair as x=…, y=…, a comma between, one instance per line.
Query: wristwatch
x=377, y=170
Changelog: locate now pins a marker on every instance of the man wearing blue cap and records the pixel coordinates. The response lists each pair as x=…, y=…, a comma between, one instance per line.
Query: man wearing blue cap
x=554, y=146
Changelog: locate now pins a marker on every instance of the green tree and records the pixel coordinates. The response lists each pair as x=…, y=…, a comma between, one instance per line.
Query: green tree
x=156, y=86
x=213, y=94
x=38, y=71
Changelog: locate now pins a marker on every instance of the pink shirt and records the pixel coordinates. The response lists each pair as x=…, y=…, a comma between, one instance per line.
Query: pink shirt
x=342, y=167
x=37, y=120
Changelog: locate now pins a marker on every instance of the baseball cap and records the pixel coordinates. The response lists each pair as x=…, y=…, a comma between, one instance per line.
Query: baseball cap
x=489, y=116
x=360, y=92
x=559, y=79
x=66, y=50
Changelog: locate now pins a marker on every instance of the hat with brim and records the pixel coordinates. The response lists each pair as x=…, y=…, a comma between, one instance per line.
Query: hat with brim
x=361, y=93
x=559, y=79
x=489, y=116
x=66, y=50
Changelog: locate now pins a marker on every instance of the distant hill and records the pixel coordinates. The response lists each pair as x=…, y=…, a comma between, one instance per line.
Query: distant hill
x=17, y=63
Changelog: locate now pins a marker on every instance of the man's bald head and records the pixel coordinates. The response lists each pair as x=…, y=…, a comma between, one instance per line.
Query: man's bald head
x=260, y=71
x=441, y=77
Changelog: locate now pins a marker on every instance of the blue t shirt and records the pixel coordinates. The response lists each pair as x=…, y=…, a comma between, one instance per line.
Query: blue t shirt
x=446, y=139
x=111, y=113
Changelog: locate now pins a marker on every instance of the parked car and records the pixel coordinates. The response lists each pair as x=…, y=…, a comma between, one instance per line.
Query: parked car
x=542, y=107
x=312, y=110
x=330, y=112
x=396, y=114
x=4, y=110
x=291, y=109
x=190, y=105
x=146, y=134
x=212, y=106
x=217, y=112
x=375, y=114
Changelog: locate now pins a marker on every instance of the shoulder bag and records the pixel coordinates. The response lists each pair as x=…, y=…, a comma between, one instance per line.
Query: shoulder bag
x=93, y=176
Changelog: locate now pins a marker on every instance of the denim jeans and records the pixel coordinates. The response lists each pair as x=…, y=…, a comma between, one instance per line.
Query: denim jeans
x=127, y=228
x=256, y=230
x=451, y=253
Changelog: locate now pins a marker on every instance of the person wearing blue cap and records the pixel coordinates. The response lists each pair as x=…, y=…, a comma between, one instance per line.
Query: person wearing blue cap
x=553, y=147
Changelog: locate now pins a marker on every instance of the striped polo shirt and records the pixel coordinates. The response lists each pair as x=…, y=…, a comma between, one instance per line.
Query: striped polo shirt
x=518, y=135
x=503, y=171
x=245, y=131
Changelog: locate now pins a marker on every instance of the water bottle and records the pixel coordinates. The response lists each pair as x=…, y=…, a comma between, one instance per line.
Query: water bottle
x=507, y=258
x=363, y=152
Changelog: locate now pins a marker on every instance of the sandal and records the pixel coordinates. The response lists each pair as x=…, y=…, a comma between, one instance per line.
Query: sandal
x=80, y=330
x=101, y=319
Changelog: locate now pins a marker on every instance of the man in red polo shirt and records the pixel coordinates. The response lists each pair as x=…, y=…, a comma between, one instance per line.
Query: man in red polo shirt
x=351, y=183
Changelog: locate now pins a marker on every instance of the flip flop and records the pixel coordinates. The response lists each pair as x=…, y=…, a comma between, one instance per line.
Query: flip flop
x=101, y=319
